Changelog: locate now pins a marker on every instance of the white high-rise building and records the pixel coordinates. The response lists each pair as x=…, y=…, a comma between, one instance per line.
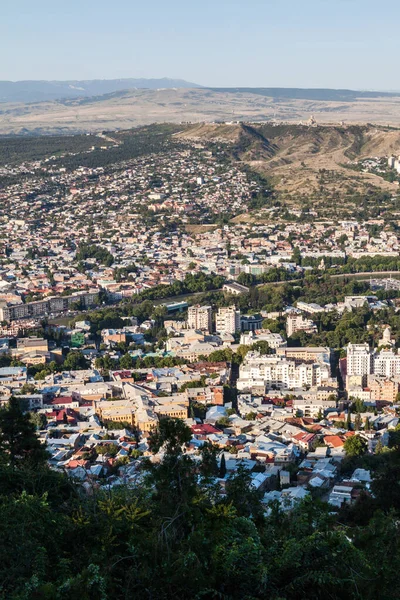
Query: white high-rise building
x=386, y=363
x=227, y=320
x=200, y=317
x=359, y=360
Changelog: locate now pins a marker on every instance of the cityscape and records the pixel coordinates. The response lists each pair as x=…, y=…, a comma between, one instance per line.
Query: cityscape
x=199, y=302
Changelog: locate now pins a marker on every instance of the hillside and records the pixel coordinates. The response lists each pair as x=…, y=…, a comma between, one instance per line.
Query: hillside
x=330, y=95
x=293, y=156
x=121, y=109
x=38, y=91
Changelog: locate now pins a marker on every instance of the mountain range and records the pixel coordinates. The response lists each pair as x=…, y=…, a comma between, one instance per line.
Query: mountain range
x=57, y=107
x=42, y=91
x=39, y=91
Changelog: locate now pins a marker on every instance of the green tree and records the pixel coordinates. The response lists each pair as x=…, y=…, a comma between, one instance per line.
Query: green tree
x=296, y=256
x=38, y=419
x=208, y=466
x=355, y=446
x=348, y=421
x=357, y=422
x=19, y=443
x=170, y=434
x=243, y=496
x=223, y=422
x=126, y=362
x=75, y=361
x=222, y=467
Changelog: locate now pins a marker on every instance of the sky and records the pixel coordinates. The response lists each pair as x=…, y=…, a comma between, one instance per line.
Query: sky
x=228, y=43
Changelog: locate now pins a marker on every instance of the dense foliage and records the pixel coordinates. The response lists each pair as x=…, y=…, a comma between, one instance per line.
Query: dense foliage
x=174, y=535
x=102, y=255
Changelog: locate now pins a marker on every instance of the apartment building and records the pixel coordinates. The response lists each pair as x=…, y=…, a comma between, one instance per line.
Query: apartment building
x=362, y=362
x=318, y=354
x=311, y=406
x=386, y=363
x=271, y=371
x=227, y=320
x=40, y=308
x=299, y=323
x=382, y=388
x=359, y=360
x=200, y=317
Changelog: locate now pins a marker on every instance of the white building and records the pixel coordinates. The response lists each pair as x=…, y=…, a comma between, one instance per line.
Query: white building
x=200, y=317
x=274, y=340
x=310, y=307
x=227, y=320
x=386, y=363
x=271, y=371
x=299, y=323
x=359, y=360
x=362, y=361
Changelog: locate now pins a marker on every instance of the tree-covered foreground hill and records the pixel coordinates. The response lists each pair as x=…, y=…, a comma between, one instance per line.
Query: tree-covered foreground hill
x=176, y=536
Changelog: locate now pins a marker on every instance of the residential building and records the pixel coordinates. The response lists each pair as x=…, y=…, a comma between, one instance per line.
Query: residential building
x=295, y=322
x=359, y=360
x=200, y=318
x=227, y=320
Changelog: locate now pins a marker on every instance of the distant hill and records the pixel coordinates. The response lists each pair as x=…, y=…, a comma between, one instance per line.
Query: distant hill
x=39, y=91
x=122, y=109
x=325, y=95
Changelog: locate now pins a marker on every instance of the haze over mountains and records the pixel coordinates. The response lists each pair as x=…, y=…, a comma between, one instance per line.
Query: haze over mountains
x=41, y=90
x=37, y=91
x=56, y=107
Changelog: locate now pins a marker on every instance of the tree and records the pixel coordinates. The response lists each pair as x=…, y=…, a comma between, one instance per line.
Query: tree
x=208, y=466
x=355, y=446
x=357, y=422
x=171, y=434
x=38, y=419
x=19, y=443
x=27, y=388
x=126, y=362
x=296, y=256
x=250, y=416
x=244, y=497
x=110, y=449
x=262, y=347
x=75, y=361
x=222, y=466
x=223, y=422
x=348, y=421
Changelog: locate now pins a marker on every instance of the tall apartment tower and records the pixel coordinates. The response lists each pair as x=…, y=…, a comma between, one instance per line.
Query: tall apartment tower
x=359, y=360
x=227, y=320
x=200, y=317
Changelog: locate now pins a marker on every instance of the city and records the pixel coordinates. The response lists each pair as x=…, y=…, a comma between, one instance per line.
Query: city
x=199, y=301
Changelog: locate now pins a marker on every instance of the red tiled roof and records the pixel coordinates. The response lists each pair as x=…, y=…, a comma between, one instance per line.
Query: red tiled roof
x=334, y=441
x=204, y=429
x=62, y=400
x=304, y=437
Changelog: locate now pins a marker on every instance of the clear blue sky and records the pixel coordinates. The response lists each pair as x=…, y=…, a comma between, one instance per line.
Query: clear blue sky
x=288, y=43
